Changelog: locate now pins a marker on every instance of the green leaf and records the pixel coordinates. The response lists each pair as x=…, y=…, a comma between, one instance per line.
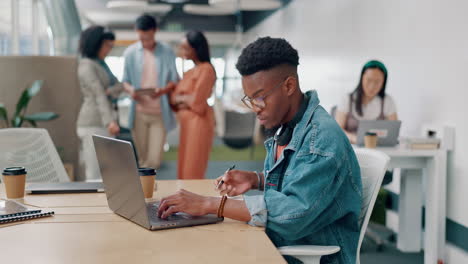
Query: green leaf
x=3, y=113
x=27, y=95
x=42, y=116
x=35, y=87
x=17, y=121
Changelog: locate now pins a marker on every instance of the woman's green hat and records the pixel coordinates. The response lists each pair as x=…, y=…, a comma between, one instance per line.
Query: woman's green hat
x=375, y=64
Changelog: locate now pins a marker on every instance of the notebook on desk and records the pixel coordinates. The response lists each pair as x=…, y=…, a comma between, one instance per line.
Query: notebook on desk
x=124, y=193
x=12, y=211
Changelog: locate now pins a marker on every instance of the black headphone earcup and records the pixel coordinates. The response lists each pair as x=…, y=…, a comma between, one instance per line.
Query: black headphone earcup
x=284, y=135
x=285, y=132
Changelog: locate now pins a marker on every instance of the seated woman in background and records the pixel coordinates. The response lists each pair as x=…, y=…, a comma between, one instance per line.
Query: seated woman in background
x=195, y=116
x=367, y=102
x=98, y=86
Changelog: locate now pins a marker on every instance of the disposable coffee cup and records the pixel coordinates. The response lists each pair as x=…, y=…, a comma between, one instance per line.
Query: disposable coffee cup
x=147, y=177
x=370, y=140
x=14, y=179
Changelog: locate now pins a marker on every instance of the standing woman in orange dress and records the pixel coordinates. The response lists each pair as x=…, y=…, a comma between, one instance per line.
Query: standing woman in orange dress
x=195, y=116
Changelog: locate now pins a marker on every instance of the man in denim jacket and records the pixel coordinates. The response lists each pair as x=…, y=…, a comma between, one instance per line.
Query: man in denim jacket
x=311, y=179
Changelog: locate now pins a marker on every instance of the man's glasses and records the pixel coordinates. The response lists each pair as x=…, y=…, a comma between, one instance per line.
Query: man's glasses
x=259, y=101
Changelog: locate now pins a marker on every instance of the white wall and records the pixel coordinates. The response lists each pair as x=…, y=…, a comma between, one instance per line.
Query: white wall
x=424, y=45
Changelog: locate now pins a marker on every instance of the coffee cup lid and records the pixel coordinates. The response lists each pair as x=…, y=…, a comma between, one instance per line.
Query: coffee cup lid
x=14, y=171
x=369, y=133
x=146, y=171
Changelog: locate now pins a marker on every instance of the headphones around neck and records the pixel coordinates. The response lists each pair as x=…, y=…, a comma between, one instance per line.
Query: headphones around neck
x=284, y=134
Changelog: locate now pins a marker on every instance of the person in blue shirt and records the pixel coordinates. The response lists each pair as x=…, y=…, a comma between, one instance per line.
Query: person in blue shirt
x=311, y=181
x=149, y=64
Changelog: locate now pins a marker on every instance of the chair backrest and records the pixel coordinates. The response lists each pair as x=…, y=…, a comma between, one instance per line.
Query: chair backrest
x=238, y=129
x=239, y=125
x=33, y=149
x=373, y=166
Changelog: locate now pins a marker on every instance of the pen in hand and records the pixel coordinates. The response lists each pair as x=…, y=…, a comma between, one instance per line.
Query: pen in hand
x=222, y=181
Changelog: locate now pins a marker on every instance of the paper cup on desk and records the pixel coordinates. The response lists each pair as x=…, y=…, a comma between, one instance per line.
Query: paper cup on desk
x=370, y=140
x=147, y=178
x=14, y=179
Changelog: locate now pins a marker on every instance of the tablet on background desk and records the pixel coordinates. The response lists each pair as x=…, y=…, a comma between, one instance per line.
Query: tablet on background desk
x=64, y=187
x=151, y=92
x=144, y=91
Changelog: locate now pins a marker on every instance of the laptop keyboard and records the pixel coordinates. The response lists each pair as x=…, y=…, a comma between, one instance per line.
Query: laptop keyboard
x=152, y=209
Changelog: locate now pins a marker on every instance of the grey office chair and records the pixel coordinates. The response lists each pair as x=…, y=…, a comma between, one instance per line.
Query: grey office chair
x=33, y=149
x=373, y=166
x=239, y=129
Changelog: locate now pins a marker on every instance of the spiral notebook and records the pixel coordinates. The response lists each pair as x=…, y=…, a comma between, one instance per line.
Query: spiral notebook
x=12, y=211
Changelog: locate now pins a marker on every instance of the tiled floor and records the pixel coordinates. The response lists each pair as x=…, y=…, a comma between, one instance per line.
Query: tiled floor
x=389, y=254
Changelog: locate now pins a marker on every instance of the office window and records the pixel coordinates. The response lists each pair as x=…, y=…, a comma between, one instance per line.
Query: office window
x=183, y=65
x=219, y=64
x=5, y=27
x=232, y=89
x=116, y=65
x=25, y=28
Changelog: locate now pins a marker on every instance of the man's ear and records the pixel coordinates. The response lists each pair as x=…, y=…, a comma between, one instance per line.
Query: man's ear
x=291, y=85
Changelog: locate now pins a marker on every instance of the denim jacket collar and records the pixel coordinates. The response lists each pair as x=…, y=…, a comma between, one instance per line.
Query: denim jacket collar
x=298, y=133
x=299, y=130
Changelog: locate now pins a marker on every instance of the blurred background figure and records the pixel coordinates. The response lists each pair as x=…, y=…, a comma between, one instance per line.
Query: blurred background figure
x=196, y=117
x=367, y=102
x=149, y=64
x=98, y=87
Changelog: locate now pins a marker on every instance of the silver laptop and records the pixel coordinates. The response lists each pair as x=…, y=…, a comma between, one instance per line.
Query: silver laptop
x=64, y=187
x=387, y=131
x=124, y=193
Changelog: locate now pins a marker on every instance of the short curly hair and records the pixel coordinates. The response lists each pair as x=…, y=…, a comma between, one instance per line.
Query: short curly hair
x=91, y=40
x=266, y=53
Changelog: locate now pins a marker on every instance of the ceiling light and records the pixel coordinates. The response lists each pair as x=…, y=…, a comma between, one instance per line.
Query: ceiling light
x=249, y=5
x=175, y=1
x=138, y=5
x=209, y=10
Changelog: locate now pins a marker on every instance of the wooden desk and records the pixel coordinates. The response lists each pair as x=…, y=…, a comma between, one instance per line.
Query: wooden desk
x=84, y=230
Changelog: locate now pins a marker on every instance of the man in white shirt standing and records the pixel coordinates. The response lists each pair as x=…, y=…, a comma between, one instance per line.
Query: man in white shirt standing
x=149, y=64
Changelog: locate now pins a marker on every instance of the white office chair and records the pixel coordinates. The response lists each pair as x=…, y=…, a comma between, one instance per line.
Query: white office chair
x=33, y=149
x=373, y=165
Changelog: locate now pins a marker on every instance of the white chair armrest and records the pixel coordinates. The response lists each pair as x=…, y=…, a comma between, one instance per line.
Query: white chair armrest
x=308, y=250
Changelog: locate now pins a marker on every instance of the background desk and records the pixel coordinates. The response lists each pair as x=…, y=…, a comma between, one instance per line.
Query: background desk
x=84, y=230
x=433, y=165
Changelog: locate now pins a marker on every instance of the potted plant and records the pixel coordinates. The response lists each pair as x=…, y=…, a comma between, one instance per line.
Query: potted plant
x=20, y=116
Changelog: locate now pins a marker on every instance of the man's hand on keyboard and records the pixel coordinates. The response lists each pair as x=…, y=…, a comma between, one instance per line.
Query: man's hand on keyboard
x=187, y=202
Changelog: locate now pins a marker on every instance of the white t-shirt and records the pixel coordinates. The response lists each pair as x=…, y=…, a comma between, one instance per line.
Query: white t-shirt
x=372, y=110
